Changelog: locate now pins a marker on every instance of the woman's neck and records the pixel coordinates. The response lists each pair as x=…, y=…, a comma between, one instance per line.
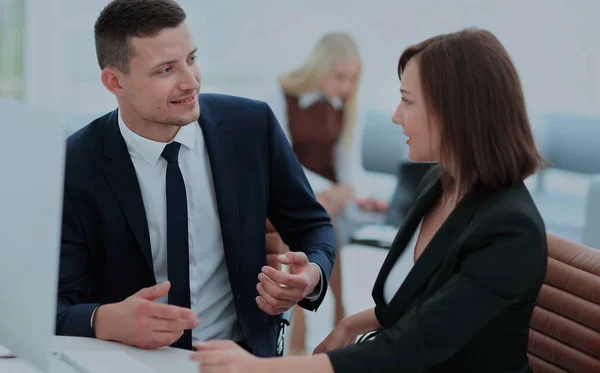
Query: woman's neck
x=451, y=197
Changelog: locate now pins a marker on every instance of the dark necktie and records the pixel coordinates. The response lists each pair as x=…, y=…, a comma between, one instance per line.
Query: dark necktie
x=177, y=238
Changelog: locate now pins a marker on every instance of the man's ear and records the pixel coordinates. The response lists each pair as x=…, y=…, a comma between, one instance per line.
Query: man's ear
x=111, y=79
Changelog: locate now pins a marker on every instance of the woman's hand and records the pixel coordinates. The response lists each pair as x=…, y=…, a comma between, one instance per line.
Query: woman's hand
x=348, y=330
x=335, y=198
x=372, y=204
x=220, y=356
x=341, y=336
x=228, y=357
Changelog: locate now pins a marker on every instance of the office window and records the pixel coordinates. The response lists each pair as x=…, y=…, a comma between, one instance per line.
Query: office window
x=12, y=46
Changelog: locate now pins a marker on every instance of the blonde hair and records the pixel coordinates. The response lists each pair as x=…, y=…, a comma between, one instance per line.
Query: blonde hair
x=332, y=49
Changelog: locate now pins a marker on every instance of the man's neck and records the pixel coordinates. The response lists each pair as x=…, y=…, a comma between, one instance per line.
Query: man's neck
x=151, y=130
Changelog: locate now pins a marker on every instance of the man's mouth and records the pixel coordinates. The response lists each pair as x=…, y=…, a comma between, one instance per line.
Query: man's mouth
x=185, y=100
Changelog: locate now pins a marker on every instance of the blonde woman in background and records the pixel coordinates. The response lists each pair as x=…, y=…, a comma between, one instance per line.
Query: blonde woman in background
x=316, y=105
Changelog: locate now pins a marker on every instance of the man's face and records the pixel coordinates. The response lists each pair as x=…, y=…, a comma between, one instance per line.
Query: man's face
x=163, y=82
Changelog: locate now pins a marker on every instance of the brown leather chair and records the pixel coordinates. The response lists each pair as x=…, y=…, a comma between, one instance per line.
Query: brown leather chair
x=564, y=334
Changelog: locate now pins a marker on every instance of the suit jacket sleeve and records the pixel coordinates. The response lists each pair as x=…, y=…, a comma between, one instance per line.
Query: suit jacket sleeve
x=294, y=211
x=497, y=271
x=73, y=314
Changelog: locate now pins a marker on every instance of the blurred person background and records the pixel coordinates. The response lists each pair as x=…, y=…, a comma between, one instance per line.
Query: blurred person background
x=316, y=105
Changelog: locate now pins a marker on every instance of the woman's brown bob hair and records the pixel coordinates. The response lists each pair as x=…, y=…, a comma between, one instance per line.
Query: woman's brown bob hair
x=472, y=88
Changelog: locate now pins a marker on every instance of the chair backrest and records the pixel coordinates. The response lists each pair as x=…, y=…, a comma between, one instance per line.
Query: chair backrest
x=383, y=144
x=572, y=142
x=591, y=228
x=564, y=334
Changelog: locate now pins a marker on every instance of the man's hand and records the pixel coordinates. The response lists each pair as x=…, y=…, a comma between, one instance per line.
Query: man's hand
x=279, y=291
x=139, y=321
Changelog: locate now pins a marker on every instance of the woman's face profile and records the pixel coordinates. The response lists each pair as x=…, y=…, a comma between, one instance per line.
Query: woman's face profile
x=412, y=114
x=341, y=80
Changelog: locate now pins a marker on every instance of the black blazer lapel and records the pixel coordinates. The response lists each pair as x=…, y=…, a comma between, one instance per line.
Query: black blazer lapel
x=221, y=152
x=121, y=176
x=423, y=202
x=437, y=249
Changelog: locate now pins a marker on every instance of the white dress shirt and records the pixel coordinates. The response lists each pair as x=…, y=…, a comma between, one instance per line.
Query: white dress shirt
x=210, y=289
x=401, y=267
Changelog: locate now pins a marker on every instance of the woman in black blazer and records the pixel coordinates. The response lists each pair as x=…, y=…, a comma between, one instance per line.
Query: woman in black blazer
x=473, y=232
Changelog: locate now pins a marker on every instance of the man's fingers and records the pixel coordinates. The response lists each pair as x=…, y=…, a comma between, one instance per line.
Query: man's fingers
x=170, y=312
x=272, y=301
x=296, y=258
x=179, y=325
x=158, y=339
x=278, y=292
x=163, y=339
x=268, y=298
x=282, y=278
x=266, y=308
x=154, y=292
x=164, y=325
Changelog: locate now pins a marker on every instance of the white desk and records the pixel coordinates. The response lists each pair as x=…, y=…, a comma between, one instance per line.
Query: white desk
x=360, y=266
x=166, y=360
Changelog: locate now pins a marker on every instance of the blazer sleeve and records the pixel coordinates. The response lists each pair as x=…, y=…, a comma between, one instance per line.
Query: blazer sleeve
x=294, y=211
x=73, y=314
x=493, y=276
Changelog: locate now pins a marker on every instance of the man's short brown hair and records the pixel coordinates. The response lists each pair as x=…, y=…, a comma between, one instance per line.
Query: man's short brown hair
x=121, y=20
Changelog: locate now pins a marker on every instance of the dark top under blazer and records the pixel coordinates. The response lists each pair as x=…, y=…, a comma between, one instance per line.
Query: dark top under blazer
x=105, y=249
x=466, y=304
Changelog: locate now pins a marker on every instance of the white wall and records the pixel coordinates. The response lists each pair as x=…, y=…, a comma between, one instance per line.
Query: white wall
x=245, y=44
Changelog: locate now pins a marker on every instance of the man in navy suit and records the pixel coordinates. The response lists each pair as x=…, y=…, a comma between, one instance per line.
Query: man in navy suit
x=166, y=199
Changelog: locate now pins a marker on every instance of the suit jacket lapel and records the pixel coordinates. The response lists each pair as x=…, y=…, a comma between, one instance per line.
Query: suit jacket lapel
x=121, y=176
x=220, y=150
x=422, y=204
x=434, y=253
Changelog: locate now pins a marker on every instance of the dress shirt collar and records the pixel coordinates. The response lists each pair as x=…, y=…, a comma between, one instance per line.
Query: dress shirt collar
x=308, y=99
x=151, y=150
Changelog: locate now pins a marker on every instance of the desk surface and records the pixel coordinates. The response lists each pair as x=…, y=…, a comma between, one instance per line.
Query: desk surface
x=165, y=360
x=360, y=265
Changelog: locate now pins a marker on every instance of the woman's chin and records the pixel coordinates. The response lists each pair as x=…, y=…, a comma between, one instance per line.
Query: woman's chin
x=418, y=157
x=414, y=156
